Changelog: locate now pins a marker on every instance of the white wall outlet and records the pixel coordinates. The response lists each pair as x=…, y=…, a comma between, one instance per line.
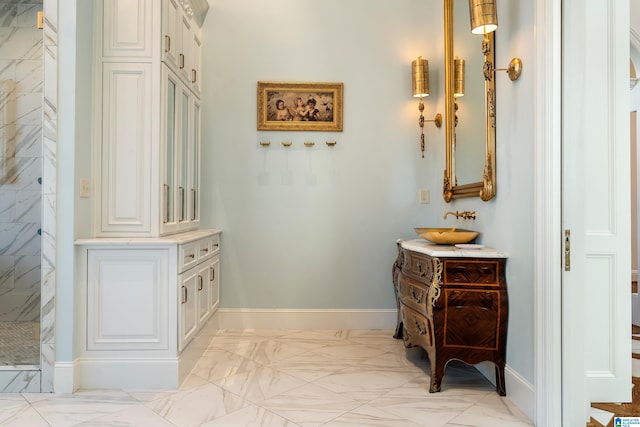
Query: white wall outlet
x=84, y=187
x=424, y=196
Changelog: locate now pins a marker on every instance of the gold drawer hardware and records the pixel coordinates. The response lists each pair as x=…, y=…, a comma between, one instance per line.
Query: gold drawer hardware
x=331, y=143
x=309, y=144
x=286, y=143
x=265, y=143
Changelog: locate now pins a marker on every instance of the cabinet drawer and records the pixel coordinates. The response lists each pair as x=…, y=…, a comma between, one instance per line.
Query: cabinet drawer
x=418, y=329
x=413, y=294
x=472, y=272
x=417, y=265
x=187, y=256
x=208, y=247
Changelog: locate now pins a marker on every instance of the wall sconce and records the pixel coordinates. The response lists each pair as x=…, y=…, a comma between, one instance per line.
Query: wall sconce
x=420, y=80
x=483, y=15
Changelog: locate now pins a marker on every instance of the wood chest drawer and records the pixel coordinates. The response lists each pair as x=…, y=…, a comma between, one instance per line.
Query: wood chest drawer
x=417, y=265
x=472, y=272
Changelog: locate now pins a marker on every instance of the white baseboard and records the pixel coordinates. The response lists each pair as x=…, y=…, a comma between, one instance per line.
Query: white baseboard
x=519, y=390
x=134, y=373
x=64, y=378
x=245, y=318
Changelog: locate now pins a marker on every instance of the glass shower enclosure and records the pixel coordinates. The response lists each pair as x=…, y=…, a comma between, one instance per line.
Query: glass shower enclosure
x=21, y=87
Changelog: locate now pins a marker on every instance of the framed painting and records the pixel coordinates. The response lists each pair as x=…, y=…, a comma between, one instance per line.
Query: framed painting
x=300, y=106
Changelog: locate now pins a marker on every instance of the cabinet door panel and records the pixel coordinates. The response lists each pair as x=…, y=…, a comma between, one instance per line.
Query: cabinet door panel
x=126, y=148
x=127, y=299
x=184, y=57
x=187, y=308
x=204, y=307
x=183, y=149
x=171, y=13
x=128, y=28
x=196, y=64
x=169, y=152
x=472, y=319
x=194, y=165
x=214, y=282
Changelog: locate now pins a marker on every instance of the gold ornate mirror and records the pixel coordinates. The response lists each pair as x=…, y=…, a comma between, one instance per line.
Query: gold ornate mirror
x=470, y=119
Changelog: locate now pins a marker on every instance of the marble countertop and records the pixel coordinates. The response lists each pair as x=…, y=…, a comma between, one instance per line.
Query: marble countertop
x=172, y=239
x=431, y=249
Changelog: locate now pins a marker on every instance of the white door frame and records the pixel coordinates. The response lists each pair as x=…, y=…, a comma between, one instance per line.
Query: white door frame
x=560, y=396
x=547, y=216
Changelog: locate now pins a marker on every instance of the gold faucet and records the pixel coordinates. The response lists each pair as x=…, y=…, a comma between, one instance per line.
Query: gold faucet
x=463, y=214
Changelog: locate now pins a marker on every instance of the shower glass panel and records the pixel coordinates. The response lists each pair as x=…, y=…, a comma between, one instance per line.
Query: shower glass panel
x=21, y=82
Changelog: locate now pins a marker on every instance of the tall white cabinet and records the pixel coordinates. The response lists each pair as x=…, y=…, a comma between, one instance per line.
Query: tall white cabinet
x=148, y=276
x=147, y=117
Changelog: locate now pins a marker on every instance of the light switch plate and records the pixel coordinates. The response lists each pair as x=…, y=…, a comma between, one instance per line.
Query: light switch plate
x=424, y=196
x=84, y=187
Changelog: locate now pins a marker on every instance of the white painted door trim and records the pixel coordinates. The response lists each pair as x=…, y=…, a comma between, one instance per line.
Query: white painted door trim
x=547, y=205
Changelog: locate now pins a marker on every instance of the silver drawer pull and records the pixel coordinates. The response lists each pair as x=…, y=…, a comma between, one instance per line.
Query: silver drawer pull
x=216, y=245
x=205, y=250
x=184, y=294
x=212, y=274
x=200, y=284
x=192, y=256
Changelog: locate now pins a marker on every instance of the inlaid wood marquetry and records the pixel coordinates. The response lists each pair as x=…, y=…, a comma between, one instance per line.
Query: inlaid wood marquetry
x=454, y=308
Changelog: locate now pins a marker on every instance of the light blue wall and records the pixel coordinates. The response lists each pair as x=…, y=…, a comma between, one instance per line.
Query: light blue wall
x=315, y=227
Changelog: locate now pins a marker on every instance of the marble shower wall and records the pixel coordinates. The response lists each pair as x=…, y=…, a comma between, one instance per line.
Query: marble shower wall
x=21, y=87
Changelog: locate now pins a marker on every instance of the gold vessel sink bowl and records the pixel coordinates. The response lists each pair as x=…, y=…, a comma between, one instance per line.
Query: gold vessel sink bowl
x=447, y=236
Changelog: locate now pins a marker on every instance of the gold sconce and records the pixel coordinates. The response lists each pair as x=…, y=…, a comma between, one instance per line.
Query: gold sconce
x=420, y=80
x=483, y=15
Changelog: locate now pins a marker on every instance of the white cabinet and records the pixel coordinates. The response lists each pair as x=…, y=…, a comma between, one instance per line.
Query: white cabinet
x=181, y=157
x=146, y=306
x=147, y=276
x=170, y=25
x=182, y=51
x=199, y=286
x=147, y=117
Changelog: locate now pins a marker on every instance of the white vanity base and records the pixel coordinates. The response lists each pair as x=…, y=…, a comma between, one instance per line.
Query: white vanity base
x=148, y=309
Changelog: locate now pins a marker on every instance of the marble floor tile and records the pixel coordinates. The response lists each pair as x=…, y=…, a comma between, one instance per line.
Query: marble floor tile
x=367, y=415
x=271, y=350
x=134, y=416
x=216, y=363
x=280, y=378
x=251, y=416
x=310, y=405
x=66, y=411
x=19, y=413
x=260, y=383
x=365, y=385
x=197, y=405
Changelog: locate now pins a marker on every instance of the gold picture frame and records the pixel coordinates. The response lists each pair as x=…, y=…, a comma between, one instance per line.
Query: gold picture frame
x=291, y=106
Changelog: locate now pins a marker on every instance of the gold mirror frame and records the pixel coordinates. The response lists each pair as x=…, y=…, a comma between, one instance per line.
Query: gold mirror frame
x=486, y=188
